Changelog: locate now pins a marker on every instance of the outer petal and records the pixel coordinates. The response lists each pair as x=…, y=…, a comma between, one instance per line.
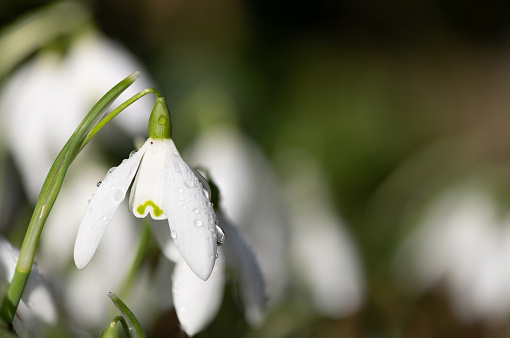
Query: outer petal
x=251, y=281
x=196, y=301
x=147, y=194
x=102, y=207
x=190, y=214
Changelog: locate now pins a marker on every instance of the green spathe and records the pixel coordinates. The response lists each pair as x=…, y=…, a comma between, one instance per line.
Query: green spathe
x=160, y=126
x=157, y=210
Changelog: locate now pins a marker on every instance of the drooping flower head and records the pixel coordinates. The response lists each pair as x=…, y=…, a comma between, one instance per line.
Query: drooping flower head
x=165, y=187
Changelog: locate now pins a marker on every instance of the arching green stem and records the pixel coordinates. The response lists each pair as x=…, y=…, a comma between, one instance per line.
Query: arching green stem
x=51, y=187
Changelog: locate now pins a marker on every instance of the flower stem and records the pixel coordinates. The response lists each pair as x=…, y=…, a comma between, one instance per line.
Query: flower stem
x=49, y=193
x=114, y=330
x=143, y=248
x=135, y=329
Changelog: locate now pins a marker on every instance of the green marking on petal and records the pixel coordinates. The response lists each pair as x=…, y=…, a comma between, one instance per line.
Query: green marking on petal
x=157, y=210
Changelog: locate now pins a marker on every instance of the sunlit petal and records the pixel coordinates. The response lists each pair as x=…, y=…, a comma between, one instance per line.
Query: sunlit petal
x=102, y=208
x=147, y=195
x=190, y=214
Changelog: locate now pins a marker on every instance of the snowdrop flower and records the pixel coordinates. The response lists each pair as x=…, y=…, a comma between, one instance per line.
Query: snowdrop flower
x=325, y=256
x=36, y=299
x=250, y=198
x=197, y=302
x=90, y=67
x=165, y=187
x=463, y=243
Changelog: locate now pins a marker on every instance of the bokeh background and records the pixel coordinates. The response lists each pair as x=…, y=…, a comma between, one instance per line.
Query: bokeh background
x=391, y=116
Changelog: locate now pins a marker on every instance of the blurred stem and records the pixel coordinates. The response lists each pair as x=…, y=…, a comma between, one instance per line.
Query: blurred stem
x=143, y=248
x=36, y=29
x=114, y=330
x=51, y=187
x=135, y=329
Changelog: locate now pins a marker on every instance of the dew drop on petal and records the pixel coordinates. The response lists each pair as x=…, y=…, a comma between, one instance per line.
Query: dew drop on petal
x=180, y=190
x=189, y=183
x=131, y=154
x=196, y=211
x=118, y=195
x=104, y=218
x=198, y=223
x=206, y=194
x=173, y=235
x=90, y=199
x=111, y=170
x=99, y=183
x=221, y=236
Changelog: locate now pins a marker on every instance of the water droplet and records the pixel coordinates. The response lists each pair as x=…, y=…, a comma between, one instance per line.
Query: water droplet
x=196, y=211
x=89, y=200
x=221, y=236
x=180, y=190
x=131, y=154
x=104, y=218
x=162, y=120
x=112, y=169
x=177, y=167
x=118, y=195
x=189, y=183
x=99, y=183
x=215, y=257
x=176, y=153
x=198, y=223
x=173, y=235
x=206, y=194
x=212, y=257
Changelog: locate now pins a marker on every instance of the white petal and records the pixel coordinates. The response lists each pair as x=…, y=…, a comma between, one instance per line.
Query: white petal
x=196, y=301
x=250, y=196
x=251, y=280
x=190, y=214
x=102, y=208
x=147, y=194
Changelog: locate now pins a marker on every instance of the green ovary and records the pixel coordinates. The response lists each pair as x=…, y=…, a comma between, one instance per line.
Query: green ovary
x=157, y=210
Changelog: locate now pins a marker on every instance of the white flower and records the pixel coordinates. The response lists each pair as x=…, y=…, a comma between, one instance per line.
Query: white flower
x=197, y=302
x=462, y=244
x=92, y=65
x=165, y=187
x=250, y=196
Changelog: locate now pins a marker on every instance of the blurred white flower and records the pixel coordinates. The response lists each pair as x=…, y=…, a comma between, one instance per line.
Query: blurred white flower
x=250, y=197
x=48, y=97
x=37, y=299
x=167, y=188
x=324, y=256
x=463, y=243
